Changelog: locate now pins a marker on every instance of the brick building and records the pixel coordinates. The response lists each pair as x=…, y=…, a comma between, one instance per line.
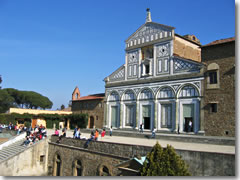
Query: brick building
x=92, y=105
x=219, y=87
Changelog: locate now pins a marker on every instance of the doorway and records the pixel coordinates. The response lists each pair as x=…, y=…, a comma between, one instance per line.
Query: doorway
x=91, y=124
x=146, y=112
x=186, y=126
x=188, y=114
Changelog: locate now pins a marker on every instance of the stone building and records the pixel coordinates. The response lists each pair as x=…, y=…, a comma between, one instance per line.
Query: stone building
x=219, y=87
x=92, y=105
x=160, y=83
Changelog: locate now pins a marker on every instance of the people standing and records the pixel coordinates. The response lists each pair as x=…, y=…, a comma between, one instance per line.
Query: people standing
x=75, y=130
x=153, y=133
x=111, y=131
x=190, y=126
x=103, y=133
x=77, y=134
x=141, y=128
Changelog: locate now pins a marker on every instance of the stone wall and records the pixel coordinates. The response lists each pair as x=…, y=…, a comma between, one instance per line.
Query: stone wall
x=99, y=154
x=28, y=162
x=221, y=123
x=92, y=108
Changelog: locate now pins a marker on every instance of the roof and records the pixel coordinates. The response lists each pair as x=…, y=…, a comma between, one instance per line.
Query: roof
x=220, y=41
x=90, y=97
x=36, y=111
x=165, y=26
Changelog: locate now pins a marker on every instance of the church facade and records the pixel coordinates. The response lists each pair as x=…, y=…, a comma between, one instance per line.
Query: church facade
x=160, y=83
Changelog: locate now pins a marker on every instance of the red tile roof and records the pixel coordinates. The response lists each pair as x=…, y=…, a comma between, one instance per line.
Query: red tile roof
x=89, y=98
x=220, y=41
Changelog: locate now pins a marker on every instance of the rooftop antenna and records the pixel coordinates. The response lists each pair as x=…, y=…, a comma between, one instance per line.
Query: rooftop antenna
x=148, y=19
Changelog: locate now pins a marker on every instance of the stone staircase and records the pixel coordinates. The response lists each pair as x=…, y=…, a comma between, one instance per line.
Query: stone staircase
x=11, y=150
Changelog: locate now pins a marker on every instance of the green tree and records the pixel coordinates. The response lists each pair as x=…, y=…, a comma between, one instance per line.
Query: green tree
x=62, y=107
x=164, y=162
x=0, y=81
x=29, y=99
x=6, y=101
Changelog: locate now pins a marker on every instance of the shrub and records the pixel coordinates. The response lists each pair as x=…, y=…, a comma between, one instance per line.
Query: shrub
x=164, y=162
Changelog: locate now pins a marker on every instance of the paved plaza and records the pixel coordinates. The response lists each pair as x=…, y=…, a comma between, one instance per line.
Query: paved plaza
x=151, y=142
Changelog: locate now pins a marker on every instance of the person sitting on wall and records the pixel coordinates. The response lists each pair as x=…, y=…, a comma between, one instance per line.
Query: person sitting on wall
x=77, y=134
x=141, y=128
x=26, y=142
x=96, y=135
x=89, y=140
x=56, y=133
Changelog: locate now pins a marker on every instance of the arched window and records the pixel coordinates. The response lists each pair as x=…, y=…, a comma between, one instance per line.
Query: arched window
x=104, y=171
x=146, y=94
x=114, y=96
x=77, y=168
x=129, y=95
x=188, y=91
x=213, y=76
x=166, y=93
x=57, y=165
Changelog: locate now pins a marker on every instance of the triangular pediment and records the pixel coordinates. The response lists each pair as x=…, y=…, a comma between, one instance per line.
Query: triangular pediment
x=150, y=29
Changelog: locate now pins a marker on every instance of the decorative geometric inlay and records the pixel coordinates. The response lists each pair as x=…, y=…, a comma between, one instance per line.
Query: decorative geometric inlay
x=197, y=84
x=136, y=90
x=180, y=65
x=118, y=75
x=175, y=87
x=188, y=91
x=120, y=92
x=163, y=50
x=155, y=89
x=133, y=57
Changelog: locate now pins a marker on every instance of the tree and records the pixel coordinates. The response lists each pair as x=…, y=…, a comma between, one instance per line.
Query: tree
x=62, y=107
x=164, y=162
x=6, y=101
x=29, y=99
x=0, y=81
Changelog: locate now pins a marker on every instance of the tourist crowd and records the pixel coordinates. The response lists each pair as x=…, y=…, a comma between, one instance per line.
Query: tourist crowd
x=35, y=135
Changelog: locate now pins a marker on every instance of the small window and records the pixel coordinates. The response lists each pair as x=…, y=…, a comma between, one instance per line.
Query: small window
x=213, y=107
x=42, y=158
x=147, y=69
x=96, y=117
x=213, y=77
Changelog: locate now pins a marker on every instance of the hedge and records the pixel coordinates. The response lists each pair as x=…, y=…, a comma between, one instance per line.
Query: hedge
x=76, y=119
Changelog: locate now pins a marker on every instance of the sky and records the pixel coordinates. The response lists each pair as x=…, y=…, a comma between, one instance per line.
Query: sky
x=51, y=47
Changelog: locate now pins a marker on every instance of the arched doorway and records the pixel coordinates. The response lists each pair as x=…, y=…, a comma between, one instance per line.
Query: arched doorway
x=91, y=123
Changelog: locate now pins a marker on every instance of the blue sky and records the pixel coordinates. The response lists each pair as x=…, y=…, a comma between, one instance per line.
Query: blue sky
x=53, y=46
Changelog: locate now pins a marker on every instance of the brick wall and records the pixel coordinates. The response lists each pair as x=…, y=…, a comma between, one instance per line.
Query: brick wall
x=92, y=108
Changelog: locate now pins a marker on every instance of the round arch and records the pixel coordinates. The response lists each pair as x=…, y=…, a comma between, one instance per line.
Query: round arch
x=104, y=170
x=145, y=89
x=188, y=85
x=113, y=96
x=166, y=87
x=128, y=98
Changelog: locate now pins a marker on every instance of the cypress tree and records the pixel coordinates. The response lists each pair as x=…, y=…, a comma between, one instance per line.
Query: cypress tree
x=164, y=162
